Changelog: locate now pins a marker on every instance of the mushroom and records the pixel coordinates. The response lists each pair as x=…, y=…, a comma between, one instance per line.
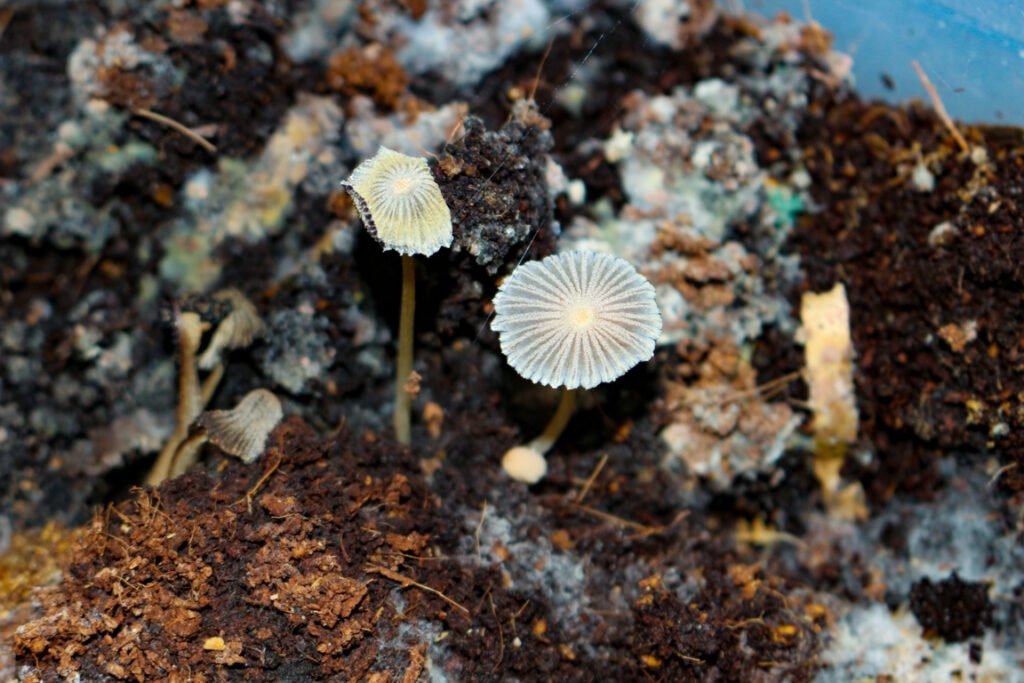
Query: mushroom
x=574, y=320
x=402, y=207
x=239, y=325
x=241, y=431
x=189, y=327
x=239, y=328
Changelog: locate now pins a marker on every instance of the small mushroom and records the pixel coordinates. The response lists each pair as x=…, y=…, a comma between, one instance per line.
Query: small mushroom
x=241, y=431
x=239, y=328
x=574, y=320
x=189, y=327
x=238, y=325
x=402, y=207
x=400, y=203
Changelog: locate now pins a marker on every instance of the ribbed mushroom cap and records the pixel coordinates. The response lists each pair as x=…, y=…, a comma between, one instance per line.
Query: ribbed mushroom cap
x=243, y=430
x=576, y=319
x=401, y=203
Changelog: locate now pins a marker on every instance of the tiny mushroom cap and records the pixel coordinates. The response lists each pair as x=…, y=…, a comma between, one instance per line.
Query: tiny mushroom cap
x=190, y=327
x=239, y=328
x=243, y=430
x=524, y=464
x=401, y=203
x=576, y=319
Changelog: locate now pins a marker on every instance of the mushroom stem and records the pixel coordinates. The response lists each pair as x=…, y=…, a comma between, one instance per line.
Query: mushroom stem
x=210, y=384
x=187, y=454
x=189, y=330
x=543, y=443
x=527, y=463
x=404, y=361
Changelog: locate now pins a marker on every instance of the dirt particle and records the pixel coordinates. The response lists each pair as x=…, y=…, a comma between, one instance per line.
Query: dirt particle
x=959, y=336
x=185, y=27
x=216, y=644
x=494, y=182
x=371, y=70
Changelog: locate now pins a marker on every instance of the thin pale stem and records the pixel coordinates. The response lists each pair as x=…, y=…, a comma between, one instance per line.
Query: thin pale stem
x=210, y=385
x=557, y=424
x=189, y=397
x=404, y=361
x=187, y=454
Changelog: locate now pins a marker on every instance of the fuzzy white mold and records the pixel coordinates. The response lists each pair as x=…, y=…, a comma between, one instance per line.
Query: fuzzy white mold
x=576, y=319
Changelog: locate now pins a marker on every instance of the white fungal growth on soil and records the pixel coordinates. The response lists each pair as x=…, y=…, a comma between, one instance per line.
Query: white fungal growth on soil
x=401, y=203
x=576, y=319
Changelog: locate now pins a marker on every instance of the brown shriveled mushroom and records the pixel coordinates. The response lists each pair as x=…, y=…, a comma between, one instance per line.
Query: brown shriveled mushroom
x=574, y=320
x=402, y=207
x=241, y=431
x=238, y=327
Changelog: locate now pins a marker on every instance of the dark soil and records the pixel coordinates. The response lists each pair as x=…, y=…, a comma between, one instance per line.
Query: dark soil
x=295, y=563
x=952, y=609
x=920, y=392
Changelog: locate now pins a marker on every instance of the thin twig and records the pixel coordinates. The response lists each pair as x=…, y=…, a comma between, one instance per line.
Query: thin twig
x=479, y=526
x=501, y=632
x=251, y=493
x=608, y=517
x=181, y=128
x=1000, y=472
x=729, y=398
x=592, y=479
x=406, y=581
x=540, y=70
x=940, y=108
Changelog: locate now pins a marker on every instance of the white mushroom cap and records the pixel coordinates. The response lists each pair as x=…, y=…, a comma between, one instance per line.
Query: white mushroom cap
x=401, y=203
x=576, y=319
x=243, y=430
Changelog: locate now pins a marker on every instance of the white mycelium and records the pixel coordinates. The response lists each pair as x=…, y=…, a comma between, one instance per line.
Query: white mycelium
x=576, y=319
x=401, y=203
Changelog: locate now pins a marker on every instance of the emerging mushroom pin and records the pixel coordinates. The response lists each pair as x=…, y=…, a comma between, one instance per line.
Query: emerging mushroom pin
x=402, y=207
x=574, y=320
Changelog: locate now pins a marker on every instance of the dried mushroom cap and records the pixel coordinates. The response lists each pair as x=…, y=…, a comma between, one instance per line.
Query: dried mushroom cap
x=240, y=327
x=243, y=430
x=576, y=319
x=401, y=203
